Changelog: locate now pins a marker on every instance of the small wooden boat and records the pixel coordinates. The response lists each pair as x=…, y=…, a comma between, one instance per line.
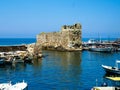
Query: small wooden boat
x=112, y=70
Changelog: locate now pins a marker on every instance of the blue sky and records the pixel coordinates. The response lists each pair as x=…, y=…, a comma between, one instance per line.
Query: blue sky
x=27, y=18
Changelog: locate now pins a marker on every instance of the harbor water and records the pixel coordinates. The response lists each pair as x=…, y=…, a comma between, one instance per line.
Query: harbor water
x=16, y=41
x=61, y=70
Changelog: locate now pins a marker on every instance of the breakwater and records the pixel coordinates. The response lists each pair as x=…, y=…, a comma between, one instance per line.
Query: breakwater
x=13, y=48
x=31, y=50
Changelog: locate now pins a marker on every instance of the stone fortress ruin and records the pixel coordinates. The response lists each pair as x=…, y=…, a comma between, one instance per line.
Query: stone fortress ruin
x=69, y=38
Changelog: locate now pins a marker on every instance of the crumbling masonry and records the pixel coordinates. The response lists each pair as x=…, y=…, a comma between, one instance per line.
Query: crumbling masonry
x=69, y=38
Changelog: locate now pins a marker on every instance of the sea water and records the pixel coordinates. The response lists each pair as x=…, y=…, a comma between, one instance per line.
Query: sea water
x=61, y=70
x=16, y=41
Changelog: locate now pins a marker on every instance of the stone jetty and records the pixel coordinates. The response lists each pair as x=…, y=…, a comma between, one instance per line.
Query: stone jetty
x=28, y=50
x=67, y=39
x=13, y=48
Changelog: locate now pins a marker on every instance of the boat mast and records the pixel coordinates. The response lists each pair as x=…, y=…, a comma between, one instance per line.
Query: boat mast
x=99, y=38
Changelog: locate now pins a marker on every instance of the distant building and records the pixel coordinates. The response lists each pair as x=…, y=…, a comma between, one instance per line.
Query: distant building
x=69, y=38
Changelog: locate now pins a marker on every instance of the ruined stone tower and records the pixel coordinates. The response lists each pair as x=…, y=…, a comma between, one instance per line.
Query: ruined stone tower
x=69, y=38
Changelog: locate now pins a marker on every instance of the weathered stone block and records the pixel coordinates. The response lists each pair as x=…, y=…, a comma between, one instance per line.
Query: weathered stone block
x=68, y=38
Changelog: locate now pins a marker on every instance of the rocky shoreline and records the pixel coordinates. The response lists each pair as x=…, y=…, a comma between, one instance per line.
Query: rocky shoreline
x=28, y=49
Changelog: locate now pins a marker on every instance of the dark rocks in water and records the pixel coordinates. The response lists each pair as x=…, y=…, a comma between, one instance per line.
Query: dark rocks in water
x=27, y=59
x=12, y=48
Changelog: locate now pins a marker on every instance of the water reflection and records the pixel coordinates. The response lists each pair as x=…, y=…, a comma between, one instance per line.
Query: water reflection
x=67, y=64
x=65, y=58
x=37, y=62
x=95, y=55
x=18, y=66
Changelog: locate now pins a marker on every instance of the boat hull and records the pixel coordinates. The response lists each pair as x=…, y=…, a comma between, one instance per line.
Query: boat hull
x=104, y=88
x=17, y=86
x=101, y=49
x=111, y=70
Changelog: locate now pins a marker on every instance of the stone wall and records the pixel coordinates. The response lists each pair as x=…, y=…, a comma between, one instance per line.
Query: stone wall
x=13, y=48
x=69, y=38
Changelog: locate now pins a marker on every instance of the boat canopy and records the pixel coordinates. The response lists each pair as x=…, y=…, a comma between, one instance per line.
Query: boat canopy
x=114, y=78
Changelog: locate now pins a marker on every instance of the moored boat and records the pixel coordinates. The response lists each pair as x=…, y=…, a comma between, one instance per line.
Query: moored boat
x=101, y=48
x=112, y=70
x=104, y=86
x=114, y=78
x=5, y=86
x=17, y=86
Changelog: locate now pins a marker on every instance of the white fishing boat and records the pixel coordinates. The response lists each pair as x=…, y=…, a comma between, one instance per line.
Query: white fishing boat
x=92, y=41
x=101, y=48
x=5, y=86
x=112, y=70
x=17, y=86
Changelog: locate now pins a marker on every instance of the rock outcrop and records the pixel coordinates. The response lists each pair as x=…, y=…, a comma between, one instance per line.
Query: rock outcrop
x=69, y=38
x=28, y=50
